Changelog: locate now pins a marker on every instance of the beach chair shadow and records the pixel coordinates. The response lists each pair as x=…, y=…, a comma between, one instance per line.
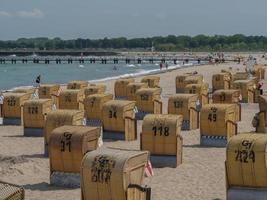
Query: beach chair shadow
x=43, y=187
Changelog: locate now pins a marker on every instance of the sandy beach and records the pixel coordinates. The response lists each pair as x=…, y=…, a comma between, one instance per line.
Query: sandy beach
x=201, y=176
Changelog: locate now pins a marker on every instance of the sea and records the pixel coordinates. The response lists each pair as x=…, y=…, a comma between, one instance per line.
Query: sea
x=16, y=75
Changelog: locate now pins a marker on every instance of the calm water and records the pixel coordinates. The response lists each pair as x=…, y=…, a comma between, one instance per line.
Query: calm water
x=13, y=75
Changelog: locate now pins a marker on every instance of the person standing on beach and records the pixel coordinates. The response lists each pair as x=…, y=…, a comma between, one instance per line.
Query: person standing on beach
x=160, y=66
x=38, y=81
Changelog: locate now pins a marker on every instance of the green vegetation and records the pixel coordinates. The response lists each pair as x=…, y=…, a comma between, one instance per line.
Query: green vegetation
x=170, y=43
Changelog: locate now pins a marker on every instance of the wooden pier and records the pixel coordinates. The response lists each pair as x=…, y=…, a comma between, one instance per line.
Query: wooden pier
x=98, y=60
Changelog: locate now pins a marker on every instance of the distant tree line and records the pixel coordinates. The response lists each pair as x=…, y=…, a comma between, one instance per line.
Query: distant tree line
x=237, y=42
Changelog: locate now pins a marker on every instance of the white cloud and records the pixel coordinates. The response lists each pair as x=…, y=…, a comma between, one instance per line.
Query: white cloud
x=35, y=13
x=5, y=14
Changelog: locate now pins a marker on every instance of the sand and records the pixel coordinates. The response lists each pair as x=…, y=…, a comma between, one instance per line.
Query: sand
x=201, y=176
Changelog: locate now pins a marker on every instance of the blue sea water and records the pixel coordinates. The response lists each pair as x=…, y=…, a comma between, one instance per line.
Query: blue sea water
x=14, y=75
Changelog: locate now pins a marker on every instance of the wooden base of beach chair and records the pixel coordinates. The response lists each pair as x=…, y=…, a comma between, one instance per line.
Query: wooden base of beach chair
x=11, y=121
x=33, y=132
x=140, y=115
x=111, y=135
x=160, y=161
x=121, y=98
x=137, y=192
x=213, y=141
x=238, y=193
x=68, y=180
x=96, y=123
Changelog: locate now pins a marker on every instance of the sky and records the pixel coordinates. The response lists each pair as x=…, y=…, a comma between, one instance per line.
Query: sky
x=70, y=19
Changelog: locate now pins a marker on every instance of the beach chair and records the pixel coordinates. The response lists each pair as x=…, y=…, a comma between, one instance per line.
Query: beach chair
x=148, y=101
x=151, y=81
x=109, y=173
x=247, y=88
x=49, y=91
x=217, y=124
x=71, y=99
x=245, y=167
x=221, y=81
x=120, y=88
x=77, y=85
x=132, y=88
x=57, y=118
x=161, y=137
x=34, y=116
x=185, y=105
x=67, y=146
x=228, y=97
x=119, y=121
x=12, y=107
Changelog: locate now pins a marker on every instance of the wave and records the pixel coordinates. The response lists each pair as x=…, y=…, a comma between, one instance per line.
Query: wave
x=141, y=72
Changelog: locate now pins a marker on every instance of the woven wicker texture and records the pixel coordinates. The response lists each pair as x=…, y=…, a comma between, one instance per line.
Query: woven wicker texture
x=12, y=104
x=11, y=192
x=132, y=88
x=68, y=145
x=59, y=118
x=246, y=161
x=115, y=112
x=214, y=118
x=93, y=105
x=120, y=86
x=151, y=81
x=107, y=173
x=71, y=99
x=34, y=112
x=161, y=134
x=145, y=98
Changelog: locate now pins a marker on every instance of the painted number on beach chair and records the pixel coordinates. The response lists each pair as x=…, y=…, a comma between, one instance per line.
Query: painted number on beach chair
x=212, y=117
x=66, y=142
x=245, y=155
x=161, y=131
x=33, y=110
x=112, y=114
x=11, y=102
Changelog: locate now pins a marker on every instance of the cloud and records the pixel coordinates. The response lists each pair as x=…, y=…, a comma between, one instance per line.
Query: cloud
x=35, y=13
x=4, y=14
